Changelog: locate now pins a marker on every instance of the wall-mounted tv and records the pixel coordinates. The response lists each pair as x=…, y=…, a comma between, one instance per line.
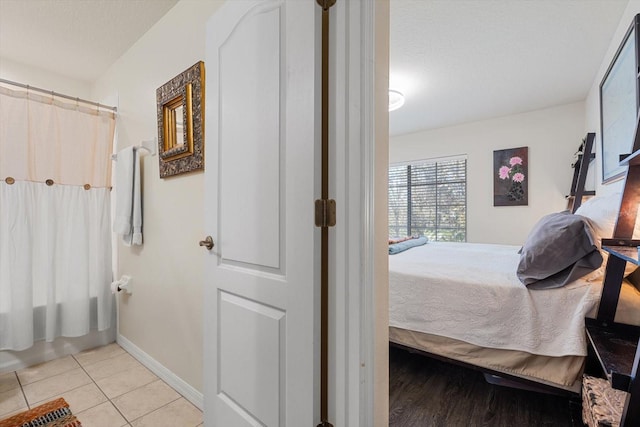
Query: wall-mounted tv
x=619, y=102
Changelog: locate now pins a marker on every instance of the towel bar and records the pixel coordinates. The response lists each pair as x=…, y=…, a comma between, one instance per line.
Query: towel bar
x=150, y=146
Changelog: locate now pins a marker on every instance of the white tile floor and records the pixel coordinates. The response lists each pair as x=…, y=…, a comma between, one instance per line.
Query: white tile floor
x=105, y=387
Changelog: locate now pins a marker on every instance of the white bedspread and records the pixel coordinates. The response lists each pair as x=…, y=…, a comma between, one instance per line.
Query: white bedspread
x=470, y=292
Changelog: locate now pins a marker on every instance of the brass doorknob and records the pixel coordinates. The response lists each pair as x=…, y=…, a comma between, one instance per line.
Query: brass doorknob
x=207, y=243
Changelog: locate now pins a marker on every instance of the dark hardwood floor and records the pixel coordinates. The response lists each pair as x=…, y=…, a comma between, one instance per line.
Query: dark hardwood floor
x=427, y=392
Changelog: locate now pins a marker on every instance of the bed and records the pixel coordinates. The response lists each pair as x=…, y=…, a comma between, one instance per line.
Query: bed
x=465, y=302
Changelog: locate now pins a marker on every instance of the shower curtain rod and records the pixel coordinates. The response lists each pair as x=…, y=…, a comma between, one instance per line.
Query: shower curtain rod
x=59, y=95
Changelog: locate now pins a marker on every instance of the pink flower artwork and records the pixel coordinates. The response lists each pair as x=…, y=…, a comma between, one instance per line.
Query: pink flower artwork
x=511, y=177
x=515, y=161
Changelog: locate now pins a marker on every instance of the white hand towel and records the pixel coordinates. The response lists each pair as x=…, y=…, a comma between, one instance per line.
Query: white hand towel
x=128, y=219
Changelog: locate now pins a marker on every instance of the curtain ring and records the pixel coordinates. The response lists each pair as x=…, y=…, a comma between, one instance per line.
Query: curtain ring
x=49, y=182
x=9, y=180
x=87, y=186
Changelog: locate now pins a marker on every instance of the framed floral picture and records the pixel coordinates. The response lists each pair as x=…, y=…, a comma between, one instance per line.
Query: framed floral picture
x=511, y=177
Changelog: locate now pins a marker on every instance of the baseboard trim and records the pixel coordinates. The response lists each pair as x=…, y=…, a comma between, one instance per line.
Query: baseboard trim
x=182, y=387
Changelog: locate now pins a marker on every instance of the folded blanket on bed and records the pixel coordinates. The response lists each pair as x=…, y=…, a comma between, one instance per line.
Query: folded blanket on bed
x=396, y=248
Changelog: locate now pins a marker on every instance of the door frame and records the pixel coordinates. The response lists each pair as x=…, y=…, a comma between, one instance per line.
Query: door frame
x=358, y=243
x=358, y=329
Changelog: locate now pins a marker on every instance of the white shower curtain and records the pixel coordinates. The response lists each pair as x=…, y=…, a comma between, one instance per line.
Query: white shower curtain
x=55, y=239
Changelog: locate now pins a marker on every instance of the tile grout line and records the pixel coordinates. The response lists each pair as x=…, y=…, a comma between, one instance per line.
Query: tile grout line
x=101, y=391
x=59, y=373
x=24, y=396
x=110, y=399
x=157, y=409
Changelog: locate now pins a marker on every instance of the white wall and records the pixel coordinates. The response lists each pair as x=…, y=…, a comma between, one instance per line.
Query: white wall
x=163, y=316
x=592, y=111
x=552, y=135
x=43, y=79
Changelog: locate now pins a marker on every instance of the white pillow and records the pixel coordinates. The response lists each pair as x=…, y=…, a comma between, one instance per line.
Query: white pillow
x=602, y=211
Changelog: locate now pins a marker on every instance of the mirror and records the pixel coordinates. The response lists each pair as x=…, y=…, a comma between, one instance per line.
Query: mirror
x=180, y=122
x=179, y=126
x=176, y=134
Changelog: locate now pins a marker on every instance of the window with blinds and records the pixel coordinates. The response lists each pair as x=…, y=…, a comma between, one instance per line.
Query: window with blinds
x=429, y=198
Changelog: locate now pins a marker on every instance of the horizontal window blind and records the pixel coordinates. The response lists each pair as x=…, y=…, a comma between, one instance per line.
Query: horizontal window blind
x=429, y=199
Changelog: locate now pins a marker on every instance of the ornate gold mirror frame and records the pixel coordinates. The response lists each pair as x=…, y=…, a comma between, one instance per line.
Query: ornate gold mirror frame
x=180, y=107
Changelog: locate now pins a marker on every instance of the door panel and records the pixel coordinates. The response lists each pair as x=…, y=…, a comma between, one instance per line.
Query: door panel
x=261, y=276
x=251, y=343
x=249, y=155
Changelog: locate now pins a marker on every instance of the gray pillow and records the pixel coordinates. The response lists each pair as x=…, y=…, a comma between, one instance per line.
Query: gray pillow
x=560, y=248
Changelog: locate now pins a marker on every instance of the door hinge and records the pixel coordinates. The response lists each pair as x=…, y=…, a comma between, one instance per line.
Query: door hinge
x=325, y=213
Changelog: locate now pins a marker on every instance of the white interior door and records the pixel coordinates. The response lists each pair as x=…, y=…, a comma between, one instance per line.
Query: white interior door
x=261, y=276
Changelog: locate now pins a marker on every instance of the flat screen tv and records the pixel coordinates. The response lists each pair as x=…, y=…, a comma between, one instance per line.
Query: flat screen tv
x=619, y=101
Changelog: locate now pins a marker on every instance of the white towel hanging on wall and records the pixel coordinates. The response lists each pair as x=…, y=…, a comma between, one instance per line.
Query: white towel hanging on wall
x=128, y=217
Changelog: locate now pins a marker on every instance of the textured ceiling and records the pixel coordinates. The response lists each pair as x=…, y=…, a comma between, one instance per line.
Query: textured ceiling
x=75, y=38
x=455, y=60
x=461, y=61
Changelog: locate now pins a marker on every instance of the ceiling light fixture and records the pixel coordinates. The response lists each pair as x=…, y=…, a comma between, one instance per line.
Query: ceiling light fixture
x=396, y=99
